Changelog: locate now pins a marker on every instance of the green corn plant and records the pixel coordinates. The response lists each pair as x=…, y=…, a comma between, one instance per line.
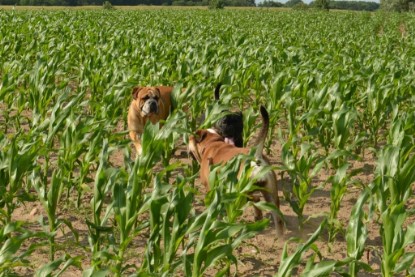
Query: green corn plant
x=98, y=227
x=17, y=161
x=215, y=233
x=338, y=190
x=237, y=185
x=88, y=161
x=78, y=151
x=339, y=183
x=395, y=239
x=174, y=128
x=50, y=129
x=391, y=190
x=7, y=88
x=343, y=120
x=171, y=213
x=356, y=236
x=290, y=262
x=277, y=91
x=378, y=107
x=318, y=120
x=302, y=166
x=42, y=92
x=59, y=266
x=213, y=241
x=13, y=253
x=128, y=201
x=49, y=195
x=188, y=99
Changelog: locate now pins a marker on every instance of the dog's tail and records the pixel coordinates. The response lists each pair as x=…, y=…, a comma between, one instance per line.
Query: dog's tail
x=263, y=133
x=217, y=91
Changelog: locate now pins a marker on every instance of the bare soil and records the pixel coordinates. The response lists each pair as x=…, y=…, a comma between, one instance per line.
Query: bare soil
x=258, y=256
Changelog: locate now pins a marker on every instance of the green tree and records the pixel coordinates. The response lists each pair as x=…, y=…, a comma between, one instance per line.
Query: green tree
x=270, y=3
x=396, y=5
x=300, y=6
x=216, y=4
x=322, y=4
x=292, y=3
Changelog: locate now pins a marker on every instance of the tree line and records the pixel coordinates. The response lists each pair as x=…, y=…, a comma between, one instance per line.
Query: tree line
x=339, y=5
x=390, y=5
x=247, y=3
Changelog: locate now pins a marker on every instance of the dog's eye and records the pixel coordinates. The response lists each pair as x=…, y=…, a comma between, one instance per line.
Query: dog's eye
x=146, y=97
x=156, y=98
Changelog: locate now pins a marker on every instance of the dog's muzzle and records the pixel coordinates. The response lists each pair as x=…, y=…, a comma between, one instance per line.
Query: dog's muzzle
x=151, y=106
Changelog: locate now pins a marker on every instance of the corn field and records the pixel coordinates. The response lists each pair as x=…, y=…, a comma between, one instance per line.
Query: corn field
x=76, y=201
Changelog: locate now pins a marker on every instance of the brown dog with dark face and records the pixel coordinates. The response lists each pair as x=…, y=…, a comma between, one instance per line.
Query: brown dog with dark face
x=149, y=103
x=209, y=148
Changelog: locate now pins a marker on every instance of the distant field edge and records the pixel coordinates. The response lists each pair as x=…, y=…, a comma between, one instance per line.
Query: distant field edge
x=137, y=7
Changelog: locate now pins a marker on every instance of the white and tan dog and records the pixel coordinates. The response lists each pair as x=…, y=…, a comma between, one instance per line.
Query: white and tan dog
x=209, y=148
x=149, y=104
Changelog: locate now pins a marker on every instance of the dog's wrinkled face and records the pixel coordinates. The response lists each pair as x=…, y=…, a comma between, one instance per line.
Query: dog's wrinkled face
x=148, y=100
x=231, y=127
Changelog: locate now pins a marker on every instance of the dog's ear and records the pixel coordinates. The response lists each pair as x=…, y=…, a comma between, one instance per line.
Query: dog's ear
x=135, y=92
x=200, y=135
x=217, y=89
x=158, y=92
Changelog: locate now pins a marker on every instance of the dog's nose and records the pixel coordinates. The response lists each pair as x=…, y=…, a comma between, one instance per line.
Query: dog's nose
x=153, y=106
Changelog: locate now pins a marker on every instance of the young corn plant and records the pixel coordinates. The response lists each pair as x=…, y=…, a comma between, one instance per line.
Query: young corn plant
x=302, y=164
x=391, y=189
x=378, y=106
x=17, y=160
x=171, y=213
x=350, y=266
x=59, y=266
x=99, y=230
x=356, y=236
x=13, y=253
x=339, y=183
x=129, y=200
x=49, y=195
x=277, y=91
x=343, y=120
x=217, y=232
x=74, y=142
x=290, y=262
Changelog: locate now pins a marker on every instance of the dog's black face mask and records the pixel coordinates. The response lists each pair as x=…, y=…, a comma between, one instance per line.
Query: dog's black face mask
x=231, y=127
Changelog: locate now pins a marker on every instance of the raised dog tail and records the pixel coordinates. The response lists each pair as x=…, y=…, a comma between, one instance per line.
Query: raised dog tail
x=217, y=89
x=263, y=133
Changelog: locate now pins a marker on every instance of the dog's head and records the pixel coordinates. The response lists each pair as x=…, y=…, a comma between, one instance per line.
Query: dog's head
x=147, y=99
x=199, y=141
x=230, y=126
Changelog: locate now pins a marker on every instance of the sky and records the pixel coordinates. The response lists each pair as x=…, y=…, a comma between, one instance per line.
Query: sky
x=308, y=1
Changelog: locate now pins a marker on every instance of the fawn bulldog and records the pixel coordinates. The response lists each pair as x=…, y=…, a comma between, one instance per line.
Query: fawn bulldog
x=209, y=148
x=149, y=104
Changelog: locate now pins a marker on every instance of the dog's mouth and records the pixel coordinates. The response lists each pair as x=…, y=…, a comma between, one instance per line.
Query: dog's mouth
x=232, y=133
x=150, y=107
x=230, y=141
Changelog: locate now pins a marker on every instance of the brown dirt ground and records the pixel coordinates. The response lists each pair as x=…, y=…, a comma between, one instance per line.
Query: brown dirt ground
x=259, y=256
